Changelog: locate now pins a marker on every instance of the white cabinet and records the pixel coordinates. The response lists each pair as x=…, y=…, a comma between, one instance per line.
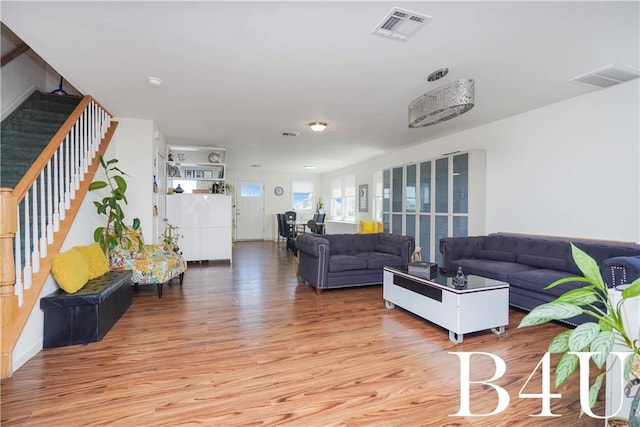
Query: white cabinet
x=204, y=221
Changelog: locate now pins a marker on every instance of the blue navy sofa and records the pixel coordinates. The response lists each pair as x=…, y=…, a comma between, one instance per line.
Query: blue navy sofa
x=530, y=263
x=341, y=260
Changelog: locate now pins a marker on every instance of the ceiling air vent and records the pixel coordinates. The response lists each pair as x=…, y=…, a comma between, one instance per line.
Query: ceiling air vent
x=290, y=133
x=400, y=24
x=607, y=76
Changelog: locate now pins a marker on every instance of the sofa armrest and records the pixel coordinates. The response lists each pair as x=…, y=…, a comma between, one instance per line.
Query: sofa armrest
x=455, y=248
x=313, y=263
x=310, y=244
x=620, y=270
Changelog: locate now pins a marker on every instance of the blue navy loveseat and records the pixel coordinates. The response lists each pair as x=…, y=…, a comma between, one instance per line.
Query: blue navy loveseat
x=342, y=260
x=530, y=263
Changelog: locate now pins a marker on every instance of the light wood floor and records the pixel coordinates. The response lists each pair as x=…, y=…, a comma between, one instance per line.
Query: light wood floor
x=247, y=345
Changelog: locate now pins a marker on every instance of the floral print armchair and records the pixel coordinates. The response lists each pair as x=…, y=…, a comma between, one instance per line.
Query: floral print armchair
x=153, y=264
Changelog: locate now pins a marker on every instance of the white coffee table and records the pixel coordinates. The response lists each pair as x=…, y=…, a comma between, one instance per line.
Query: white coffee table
x=481, y=304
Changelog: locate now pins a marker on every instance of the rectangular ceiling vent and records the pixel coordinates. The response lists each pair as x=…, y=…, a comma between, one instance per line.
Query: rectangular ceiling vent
x=400, y=24
x=607, y=76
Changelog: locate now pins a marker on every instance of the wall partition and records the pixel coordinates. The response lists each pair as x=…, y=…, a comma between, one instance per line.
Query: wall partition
x=436, y=198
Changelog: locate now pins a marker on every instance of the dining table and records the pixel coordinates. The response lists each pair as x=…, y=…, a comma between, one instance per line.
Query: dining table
x=301, y=226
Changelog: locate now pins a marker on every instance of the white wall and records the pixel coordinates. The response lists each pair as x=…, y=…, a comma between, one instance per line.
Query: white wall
x=135, y=150
x=567, y=169
x=20, y=78
x=25, y=74
x=274, y=204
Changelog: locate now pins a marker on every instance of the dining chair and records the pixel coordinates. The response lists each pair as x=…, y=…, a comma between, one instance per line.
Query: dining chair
x=313, y=226
x=289, y=219
x=279, y=219
x=319, y=219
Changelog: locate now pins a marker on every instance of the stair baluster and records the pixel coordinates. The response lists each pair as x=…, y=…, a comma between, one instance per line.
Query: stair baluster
x=48, y=190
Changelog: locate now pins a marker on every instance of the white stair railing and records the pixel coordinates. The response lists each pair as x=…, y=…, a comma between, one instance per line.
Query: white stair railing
x=46, y=200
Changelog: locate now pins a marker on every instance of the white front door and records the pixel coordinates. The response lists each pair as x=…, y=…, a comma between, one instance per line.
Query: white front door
x=249, y=210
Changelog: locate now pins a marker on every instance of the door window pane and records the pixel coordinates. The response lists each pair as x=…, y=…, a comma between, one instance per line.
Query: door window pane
x=385, y=223
x=425, y=187
x=442, y=230
x=442, y=185
x=425, y=237
x=250, y=190
x=386, y=189
x=396, y=224
x=396, y=194
x=461, y=183
x=410, y=198
x=460, y=226
x=410, y=229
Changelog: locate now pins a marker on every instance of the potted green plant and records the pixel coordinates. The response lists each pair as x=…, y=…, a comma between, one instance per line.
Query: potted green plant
x=600, y=336
x=171, y=237
x=114, y=231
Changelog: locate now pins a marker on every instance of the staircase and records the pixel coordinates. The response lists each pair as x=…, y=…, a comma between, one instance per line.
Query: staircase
x=25, y=133
x=48, y=157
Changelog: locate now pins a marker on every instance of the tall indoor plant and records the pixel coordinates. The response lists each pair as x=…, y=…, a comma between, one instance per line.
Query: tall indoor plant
x=114, y=231
x=599, y=337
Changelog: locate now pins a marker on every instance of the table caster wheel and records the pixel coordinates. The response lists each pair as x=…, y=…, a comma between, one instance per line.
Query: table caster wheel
x=389, y=305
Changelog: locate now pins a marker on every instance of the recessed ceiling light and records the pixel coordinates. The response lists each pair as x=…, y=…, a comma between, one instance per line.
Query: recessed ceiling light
x=309, y=167
x=154, y=81
x=318, y=126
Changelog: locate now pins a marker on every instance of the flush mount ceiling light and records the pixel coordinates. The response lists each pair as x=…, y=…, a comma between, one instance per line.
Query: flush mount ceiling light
x=318, y=126
x=154, y=81
x=443, y=103
x=309, y=167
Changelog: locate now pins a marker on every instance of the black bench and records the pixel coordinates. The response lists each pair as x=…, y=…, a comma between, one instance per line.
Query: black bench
x=89, y=314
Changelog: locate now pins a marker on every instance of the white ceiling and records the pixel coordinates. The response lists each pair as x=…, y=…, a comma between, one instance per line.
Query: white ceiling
x=238, y=74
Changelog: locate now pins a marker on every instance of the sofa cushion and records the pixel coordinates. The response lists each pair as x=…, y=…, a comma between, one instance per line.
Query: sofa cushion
x=495, y=255
x=346, y=262
x=559, y=264
x=378, y=260
x=350, y=244
x=536, y=280
x=498, y=270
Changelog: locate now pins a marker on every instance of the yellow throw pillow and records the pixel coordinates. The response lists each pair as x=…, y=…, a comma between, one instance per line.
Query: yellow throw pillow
x=95, y=259
x=70, y=270
x=379, y=227
x=367, y=227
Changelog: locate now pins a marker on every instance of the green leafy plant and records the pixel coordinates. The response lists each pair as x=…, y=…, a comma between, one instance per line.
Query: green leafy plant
x=171, y=237
x=113, y=233
x=597, y=337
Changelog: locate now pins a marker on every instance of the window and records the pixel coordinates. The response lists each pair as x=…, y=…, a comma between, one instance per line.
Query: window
x=302, y=195
x=343, y=198
x=250, y=190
